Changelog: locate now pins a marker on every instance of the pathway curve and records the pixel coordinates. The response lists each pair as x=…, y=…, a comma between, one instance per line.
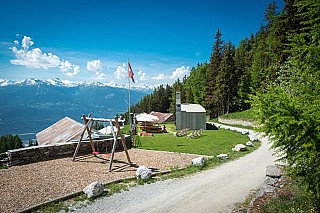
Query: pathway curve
x=214, y=190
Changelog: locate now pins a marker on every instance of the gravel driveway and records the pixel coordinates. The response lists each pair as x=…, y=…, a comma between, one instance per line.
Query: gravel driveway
x=32, y=184
x=215, y=190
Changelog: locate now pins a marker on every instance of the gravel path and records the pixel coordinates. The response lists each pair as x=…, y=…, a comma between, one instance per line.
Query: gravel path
x=32, y=184
x=215, y=190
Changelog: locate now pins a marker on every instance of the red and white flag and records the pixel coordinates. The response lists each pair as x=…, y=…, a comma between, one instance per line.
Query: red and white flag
x=130, y=72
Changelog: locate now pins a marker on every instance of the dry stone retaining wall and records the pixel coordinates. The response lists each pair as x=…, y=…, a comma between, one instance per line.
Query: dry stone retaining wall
x=48, y=152
x=236, y=122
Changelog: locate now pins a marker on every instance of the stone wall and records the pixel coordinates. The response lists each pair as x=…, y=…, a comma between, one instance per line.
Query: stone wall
x=236, y=122
x=48, y=152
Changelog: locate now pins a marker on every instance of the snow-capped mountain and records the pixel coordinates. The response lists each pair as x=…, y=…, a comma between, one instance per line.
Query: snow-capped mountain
x=32, y=105
x=148, y=88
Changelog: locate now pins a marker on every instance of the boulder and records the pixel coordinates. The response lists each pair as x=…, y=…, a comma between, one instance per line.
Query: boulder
x=198, y=161
x=143, y=173
x=249, y=143
x=94, y=189
x=265, y=188
x=222, y=156
x=273, y=171
x=245, y=132
x=253, y=137
x=271, y=181
x=239, y=148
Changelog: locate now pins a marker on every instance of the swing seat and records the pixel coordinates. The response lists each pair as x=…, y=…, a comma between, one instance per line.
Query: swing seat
x=95, y=153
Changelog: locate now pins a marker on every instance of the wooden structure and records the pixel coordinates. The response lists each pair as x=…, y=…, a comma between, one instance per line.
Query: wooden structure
x=149, y=127
x=88, y=125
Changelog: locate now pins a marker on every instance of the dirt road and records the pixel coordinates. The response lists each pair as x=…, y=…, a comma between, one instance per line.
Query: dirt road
x=215, y=190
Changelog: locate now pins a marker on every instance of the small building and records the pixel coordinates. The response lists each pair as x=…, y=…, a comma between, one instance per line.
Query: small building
x=62, y=131
x=189, y=116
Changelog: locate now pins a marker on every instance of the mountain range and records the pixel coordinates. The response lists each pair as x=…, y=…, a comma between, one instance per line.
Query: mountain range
x=27, y=107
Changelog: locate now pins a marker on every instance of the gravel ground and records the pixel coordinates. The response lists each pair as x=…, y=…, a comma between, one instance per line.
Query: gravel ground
x=214, y=190
x=28, y=185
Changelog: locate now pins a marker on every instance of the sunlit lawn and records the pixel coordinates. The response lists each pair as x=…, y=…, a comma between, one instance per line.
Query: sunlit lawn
x=212, y=142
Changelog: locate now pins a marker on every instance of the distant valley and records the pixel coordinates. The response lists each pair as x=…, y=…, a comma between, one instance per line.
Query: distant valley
x=32, y=105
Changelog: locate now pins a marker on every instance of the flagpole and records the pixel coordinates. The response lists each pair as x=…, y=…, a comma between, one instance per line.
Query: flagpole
x=129, y=102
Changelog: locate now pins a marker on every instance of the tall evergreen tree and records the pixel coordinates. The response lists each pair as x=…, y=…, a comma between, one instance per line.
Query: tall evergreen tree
x=289, y=110
x=8, y=142
x=227, y=81
x=212, y=94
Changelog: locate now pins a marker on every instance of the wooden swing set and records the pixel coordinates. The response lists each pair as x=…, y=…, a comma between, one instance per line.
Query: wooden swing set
x=88, y=125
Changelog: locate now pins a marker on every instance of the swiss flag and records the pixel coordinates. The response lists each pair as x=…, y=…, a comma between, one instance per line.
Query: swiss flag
x=130, y=72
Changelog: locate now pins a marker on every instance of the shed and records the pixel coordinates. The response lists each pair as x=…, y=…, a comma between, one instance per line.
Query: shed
x=189, y=116
x=62, y=131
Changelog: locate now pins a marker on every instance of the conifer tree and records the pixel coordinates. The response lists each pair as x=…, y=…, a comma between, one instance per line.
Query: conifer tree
x=212, y=94
x=289, y=109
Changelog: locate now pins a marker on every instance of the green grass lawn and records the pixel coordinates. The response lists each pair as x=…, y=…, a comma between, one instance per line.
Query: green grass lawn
x=211, y=143
x=246, y=115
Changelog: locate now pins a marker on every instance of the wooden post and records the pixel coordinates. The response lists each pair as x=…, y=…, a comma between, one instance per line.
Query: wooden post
x=89, y=131
x=81, y=137
x=115, y=136
x=122, y=140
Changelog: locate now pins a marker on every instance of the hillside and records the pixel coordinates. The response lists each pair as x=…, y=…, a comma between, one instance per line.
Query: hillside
x=32, y=105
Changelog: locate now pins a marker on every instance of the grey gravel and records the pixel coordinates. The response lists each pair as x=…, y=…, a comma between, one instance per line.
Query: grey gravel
x=215, y=190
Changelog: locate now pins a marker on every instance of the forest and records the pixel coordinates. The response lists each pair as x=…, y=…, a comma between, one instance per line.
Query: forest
x=225, y=83
x=275, y=71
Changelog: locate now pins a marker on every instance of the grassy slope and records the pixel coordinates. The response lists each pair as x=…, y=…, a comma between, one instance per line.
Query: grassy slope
x=212, y=142
x=246, y=115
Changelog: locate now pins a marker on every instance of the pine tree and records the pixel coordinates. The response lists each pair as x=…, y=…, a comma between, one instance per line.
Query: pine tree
x=212, y=94
x=226, y=80
x=289, y=109
x=8, y=142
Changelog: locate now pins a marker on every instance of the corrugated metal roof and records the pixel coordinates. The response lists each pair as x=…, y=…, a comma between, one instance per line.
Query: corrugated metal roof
x=62, y=131
x=163, y=117
x=192, y=108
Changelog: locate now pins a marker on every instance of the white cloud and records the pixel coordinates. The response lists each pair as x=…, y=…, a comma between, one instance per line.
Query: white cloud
x=96, y=67
x=180, y=72
x=120, y=73
x=27, y=42
x=66, y=67
x=143, y=76
x=161, y=76
x=35, y=58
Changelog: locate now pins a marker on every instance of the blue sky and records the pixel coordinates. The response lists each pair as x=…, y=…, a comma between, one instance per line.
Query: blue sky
x=92, y=40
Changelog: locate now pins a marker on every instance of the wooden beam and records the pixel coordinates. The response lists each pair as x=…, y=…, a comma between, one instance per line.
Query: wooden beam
x=115, y=136
x=122, y=140
x=81, y=137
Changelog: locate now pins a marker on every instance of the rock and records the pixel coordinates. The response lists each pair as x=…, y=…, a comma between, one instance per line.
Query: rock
x=198, y=161
x=249, y=143
x=245, y=132
x=239, y=148
x=271, y=181
x=273, y=171
x=94, y=189
x=253, y=137
x=265, y=188
x=143, y=173
x=222, y=156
